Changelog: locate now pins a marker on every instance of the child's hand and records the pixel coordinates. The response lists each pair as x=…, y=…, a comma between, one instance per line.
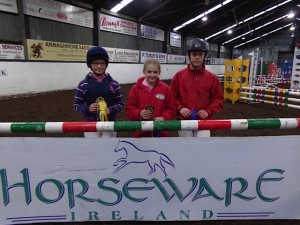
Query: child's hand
x=93, y=107
x=202, y=114
x=146, y=114
x=185, y=112
x=158, y=119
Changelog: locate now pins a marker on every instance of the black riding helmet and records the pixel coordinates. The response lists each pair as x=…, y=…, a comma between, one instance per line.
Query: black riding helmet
x=197, y=44
x=96, y=53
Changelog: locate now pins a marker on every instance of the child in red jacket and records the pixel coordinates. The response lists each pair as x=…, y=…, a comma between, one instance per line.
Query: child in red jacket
x=150, y=99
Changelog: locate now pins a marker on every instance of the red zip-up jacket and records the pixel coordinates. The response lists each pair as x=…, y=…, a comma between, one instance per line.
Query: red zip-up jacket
x=197, y=90
x=160, y=97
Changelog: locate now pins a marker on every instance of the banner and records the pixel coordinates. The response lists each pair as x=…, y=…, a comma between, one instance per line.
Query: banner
x=123, y=55
x=117, y=25
x=160, y=57
x=8, y=51
x=9, y=6
x=175, y=40
x=56, y=51
x=176, y=58
x=149, y=179
x=59, y=11
x=152, y=33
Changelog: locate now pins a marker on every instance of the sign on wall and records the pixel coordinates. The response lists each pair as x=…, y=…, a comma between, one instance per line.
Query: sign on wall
x=60, y=180
x=117, y=25
x=152, y=33
x=176, y=58
x=160, y=57
x=123, y=55
x=9, y=6
x=175, y=40
x=8, y=51
x=56, y=51
x=59, y=11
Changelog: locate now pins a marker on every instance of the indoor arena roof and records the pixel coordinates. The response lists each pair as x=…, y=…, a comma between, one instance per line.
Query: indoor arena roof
x=248, y=19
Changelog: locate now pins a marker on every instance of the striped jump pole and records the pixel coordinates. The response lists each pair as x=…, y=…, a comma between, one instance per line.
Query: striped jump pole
x=278, y=98
x=120, y=126
x=270, y=102
x=273, y=90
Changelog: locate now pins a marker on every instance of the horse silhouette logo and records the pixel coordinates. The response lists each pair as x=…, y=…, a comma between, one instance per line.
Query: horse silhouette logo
x=133, y=154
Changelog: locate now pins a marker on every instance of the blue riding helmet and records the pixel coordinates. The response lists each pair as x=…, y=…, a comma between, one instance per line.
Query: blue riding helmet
x=96, y=53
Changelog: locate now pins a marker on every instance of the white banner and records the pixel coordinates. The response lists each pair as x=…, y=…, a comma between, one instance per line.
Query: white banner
x=9, y=6
x=175, y=40
x=117, y=25
x=152, y=33
x=8, y=51
x=163, y=179
x=123, y=55
x=160, y=57
x=59, y=11
x=176, y=58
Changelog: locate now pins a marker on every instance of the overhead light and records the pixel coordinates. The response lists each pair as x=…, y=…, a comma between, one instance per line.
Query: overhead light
x=292, y=27
x=255, y=29
x=202, y=14
x=248, y=19
x=229, y=31
x=246, y=42
x=293, y=35
x=204, y=18
x=121, y=5
x=291, y=14
x=243, y=38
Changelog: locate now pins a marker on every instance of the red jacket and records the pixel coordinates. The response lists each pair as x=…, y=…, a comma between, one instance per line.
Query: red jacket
x=197, y=90
x=159, y=97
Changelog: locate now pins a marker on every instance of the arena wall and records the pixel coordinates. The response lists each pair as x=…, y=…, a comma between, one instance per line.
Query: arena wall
x=18, y=78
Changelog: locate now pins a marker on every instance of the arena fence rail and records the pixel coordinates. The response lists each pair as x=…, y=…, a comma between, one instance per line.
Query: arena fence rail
x=172, y=125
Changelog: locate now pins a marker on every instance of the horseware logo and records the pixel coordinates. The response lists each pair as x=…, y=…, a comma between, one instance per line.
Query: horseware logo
x=134, y=155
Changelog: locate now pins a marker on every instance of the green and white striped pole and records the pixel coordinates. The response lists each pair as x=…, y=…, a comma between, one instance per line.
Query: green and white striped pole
x=171, y=125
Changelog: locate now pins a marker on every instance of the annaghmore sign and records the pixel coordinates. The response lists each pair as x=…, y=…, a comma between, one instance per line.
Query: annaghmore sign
x=74, y=179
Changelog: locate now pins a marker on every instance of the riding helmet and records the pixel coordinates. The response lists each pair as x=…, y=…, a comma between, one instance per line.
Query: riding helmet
x=96, y=53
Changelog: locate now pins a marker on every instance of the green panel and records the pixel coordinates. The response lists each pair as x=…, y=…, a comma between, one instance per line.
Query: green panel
x=167, y=125
x=264, y=123
x=128, y=126
x=33, y=127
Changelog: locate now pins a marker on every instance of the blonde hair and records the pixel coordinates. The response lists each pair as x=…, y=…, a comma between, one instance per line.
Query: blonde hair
x=151, y=61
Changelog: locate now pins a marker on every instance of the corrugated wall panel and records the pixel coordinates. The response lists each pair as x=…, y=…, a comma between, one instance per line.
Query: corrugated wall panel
x=9, y=28
x=115, y=40
x=41, y=29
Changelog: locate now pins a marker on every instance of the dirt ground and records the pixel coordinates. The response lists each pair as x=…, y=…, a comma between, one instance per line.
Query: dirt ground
x=58, y=107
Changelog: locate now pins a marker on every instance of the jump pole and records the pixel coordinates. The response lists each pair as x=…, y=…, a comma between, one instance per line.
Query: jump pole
x=121, y=126
x=275, y=97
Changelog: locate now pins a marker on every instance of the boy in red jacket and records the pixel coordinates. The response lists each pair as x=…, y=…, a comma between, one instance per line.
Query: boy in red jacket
x=150, y=99
x=197, y=92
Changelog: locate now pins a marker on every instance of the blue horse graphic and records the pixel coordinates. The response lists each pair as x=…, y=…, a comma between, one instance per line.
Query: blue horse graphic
x=153, y=158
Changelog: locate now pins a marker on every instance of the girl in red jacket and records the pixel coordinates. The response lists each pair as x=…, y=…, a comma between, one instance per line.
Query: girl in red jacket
x=150, y=99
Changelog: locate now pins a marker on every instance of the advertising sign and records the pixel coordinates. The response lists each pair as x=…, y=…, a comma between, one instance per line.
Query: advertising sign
x=56, y=51
x=9, y=6
x=147, y=179
x=117, y=25
x=123, y=55
x=8, y=51
x=175, y=40
x=160, y=57
x=59, y=11
x=176, y=58
x=152, y=33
